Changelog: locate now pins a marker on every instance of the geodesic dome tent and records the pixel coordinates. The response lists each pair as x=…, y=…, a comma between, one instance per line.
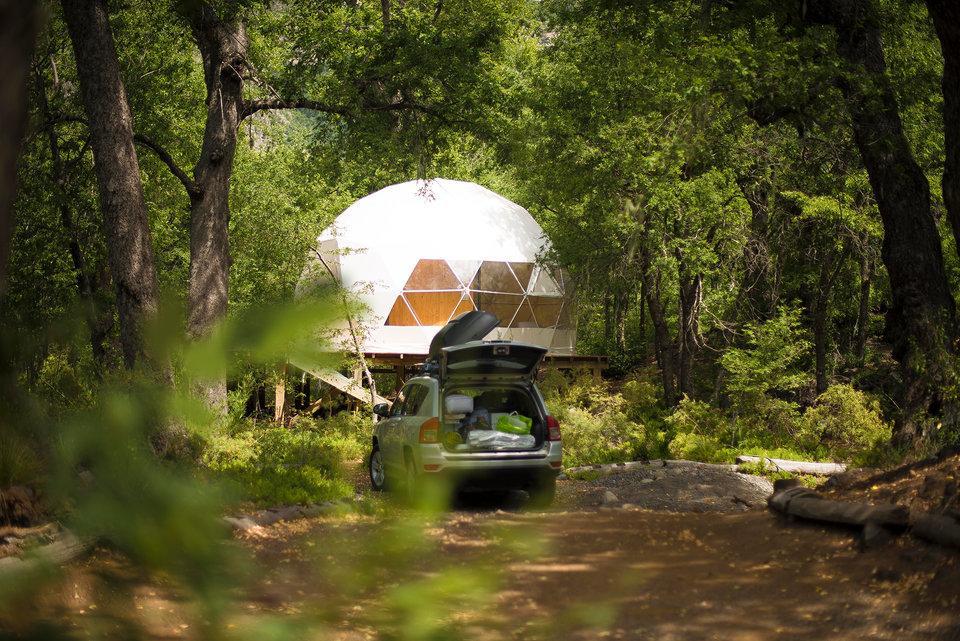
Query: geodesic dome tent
x=421, y=253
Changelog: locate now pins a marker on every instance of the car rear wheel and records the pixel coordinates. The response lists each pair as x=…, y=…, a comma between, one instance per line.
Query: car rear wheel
x=411, y=480
x=378, y=476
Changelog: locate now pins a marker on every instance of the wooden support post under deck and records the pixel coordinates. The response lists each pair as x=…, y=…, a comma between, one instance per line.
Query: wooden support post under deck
x=280, y=395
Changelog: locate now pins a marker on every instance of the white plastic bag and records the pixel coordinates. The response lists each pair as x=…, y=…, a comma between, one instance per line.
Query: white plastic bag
x=495, y=440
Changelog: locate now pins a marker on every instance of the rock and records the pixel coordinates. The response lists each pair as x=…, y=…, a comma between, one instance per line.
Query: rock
x=609, y=498
x=645, y=481
x=317, y=509
x=628, y=506
x=242, y=523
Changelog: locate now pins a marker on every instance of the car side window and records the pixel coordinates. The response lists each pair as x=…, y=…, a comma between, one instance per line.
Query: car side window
x=415, y=400
x=397, y=408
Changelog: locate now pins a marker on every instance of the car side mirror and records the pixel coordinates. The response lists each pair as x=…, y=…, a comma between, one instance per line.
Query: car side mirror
x=382, y=410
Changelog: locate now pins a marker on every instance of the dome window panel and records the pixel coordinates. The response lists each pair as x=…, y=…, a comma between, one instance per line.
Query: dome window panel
x=433, y=308
x=523, y=272
x=503, y=306
x=495, y=276
x=430, y=274
x=465, y=270
x=566, y=316
x=525, y=317
x=544, y=283
x=401, y=315
x=465, y=305
x=546, y=309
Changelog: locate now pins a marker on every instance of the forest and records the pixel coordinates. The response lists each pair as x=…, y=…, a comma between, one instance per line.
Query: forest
x=757, y=204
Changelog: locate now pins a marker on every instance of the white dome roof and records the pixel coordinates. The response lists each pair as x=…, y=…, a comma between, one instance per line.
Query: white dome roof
x=411, y=251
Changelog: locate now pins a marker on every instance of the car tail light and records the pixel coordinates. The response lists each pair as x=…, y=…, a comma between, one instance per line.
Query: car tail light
x=430, y=430
x=553, y=429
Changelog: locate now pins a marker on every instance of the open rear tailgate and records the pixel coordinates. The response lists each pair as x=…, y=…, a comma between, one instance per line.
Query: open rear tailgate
x=503, y=360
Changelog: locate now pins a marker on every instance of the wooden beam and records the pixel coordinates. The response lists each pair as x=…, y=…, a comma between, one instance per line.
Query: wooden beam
x=280, y=395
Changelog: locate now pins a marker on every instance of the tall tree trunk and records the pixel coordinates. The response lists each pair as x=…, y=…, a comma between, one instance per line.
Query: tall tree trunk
x=691, y=296
x=863, y=315
x=18, y=30
x=99, y=322
x=921, y=320
x=661, y=337
x=129, y=244
x=223, y=49
x=946, y=20
x=820, y=306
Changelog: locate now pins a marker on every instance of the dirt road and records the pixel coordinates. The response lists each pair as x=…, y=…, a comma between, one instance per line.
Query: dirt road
x=584, y=572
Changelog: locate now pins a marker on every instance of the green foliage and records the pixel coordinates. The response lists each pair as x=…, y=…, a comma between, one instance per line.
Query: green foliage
x=603, y=426
x=61, y=385
x=309, y=461
x=844, y=422
x=698, y=447
x=278, y=466
x=20, y=463
x=771, y=360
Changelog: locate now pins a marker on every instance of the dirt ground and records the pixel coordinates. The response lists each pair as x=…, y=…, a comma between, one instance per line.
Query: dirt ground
x=578, y=572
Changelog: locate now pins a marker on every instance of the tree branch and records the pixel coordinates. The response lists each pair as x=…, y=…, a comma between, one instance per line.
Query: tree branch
x=192, y=189
x=251, y=107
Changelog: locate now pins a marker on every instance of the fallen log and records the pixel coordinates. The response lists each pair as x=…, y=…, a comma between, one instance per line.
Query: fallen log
x=795, y=467
x=806, y=504
x=936, y=528
x=65, y=549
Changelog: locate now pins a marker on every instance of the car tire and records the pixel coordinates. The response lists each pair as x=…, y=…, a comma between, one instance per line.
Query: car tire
x=377, y=470
x=542, y=493
x=410, y=480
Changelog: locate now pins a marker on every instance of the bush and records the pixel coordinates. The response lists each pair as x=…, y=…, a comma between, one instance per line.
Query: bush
x=697, y=417
x=602, y=426
x=844, y=422
x=19, y=463
x=276, y=465
x=699, y=447
x=590, y=438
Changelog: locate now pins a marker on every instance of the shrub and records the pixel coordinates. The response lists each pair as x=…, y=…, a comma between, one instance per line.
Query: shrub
x=590, y=438
x=276, y=465
x=60, y=386
x=698, y=447
x=697, y=417
x=19, y=463
x=771, y=360
x=845, y=422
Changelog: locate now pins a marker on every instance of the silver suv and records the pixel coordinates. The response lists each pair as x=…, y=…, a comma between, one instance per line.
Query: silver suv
x=472, y=417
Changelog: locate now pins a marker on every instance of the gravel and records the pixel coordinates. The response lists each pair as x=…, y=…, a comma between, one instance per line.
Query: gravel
x=672, y=486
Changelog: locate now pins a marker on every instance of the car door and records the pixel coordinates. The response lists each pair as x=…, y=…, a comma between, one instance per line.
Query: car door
x=413, y=414
x=391, y=433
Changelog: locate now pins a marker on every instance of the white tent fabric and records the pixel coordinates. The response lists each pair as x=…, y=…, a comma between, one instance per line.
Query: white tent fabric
x=420, y=252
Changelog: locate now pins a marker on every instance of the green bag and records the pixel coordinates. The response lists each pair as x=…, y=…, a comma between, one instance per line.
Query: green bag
x=514, y=424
